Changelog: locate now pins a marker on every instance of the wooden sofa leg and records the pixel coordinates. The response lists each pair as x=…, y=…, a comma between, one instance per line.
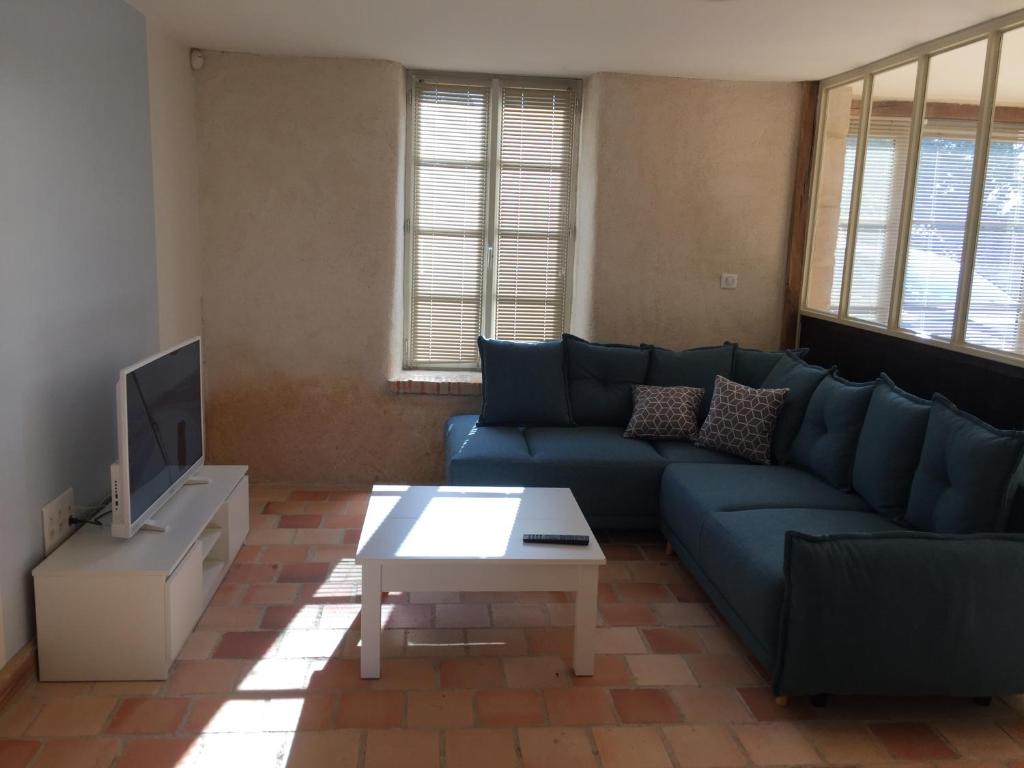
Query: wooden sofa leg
x=782, y=701
x=668, y=548
x=983, y=701
x=819, y=700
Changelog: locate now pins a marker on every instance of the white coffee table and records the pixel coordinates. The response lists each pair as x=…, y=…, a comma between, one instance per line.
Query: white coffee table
x=452, y=538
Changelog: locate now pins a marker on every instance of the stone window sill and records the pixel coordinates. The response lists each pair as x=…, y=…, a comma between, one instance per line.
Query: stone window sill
x=458, y=383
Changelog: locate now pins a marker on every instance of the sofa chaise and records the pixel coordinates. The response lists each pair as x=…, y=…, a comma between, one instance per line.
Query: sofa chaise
x=878, y=552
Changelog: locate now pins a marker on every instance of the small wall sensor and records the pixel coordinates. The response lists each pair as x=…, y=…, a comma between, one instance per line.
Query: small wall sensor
x=196, y=59
x=729, y=281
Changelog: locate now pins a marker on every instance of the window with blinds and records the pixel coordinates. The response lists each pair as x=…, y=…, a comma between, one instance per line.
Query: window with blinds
x=874, y=256
x=489, y=218
x=931, y=194
x=941, y=197
x=996, y=309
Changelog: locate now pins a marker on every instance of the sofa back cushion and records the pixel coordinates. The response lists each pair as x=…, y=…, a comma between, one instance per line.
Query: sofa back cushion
x=741, y=420
x=524, y=383
x=801, y=379
x=827, y=441
x=601, y=379
x=889, y=447
x=691, y=368
x=964, y=479
x=752, y=366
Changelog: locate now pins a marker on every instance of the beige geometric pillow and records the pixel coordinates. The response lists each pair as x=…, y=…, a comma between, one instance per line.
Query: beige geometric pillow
x=664, y=413
x=741, y=420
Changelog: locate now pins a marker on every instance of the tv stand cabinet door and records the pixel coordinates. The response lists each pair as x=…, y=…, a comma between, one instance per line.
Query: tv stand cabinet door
x=184, y=600
x=103, y=627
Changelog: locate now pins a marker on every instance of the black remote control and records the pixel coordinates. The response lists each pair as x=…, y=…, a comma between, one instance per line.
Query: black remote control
x=556, y=538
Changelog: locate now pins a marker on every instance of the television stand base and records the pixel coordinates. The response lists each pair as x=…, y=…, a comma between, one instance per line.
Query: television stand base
x=197, y=481
x=116, y=609
x=155, y=527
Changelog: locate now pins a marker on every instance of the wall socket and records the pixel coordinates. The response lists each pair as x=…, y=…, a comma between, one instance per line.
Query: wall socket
x=729, y=280
x=57, y=520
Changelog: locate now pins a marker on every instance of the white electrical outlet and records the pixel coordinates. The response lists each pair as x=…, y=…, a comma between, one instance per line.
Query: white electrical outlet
x=57, y=520
x=729, y=280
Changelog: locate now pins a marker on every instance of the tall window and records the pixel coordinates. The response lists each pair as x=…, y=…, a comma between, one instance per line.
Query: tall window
x=489, y=213
x=907, y=233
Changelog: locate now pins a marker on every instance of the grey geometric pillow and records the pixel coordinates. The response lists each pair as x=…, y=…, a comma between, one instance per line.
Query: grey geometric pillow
x=664, y=413
x=741, y=420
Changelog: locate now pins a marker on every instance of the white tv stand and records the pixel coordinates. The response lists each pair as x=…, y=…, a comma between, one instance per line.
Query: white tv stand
x=116, y=609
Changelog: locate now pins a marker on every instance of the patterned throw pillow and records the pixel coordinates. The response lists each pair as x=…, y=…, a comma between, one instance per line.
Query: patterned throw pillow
x=741, y=420
x=664, y=413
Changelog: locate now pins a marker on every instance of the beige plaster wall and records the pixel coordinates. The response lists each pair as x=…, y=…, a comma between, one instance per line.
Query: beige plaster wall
x=301, y=166
x=172, y=110
x=300, y=193
x=691, y=178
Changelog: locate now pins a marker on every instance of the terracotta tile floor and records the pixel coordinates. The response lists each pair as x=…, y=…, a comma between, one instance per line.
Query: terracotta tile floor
x=270, y=677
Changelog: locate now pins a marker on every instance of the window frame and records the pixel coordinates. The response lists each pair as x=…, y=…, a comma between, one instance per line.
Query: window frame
x=991, y=31
x=488, y=295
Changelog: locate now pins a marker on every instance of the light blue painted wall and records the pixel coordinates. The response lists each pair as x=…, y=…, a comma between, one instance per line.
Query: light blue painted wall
x=78, y=295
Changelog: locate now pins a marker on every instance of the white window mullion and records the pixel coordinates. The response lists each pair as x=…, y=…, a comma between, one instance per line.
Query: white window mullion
x=491, y=239
x=909, y=184
x=985, y=113
x=855, y=195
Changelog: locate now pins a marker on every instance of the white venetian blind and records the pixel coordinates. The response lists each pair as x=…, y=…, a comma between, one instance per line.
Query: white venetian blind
x=533, y=229
x=941, y=197
x=448, y=222
x=874, y=257
x=994, y=317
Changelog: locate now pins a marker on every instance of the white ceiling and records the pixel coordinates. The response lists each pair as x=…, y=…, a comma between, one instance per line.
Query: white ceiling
x=727, y=39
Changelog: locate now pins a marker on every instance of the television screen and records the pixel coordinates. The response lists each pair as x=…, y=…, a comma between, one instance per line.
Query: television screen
x=165, y=424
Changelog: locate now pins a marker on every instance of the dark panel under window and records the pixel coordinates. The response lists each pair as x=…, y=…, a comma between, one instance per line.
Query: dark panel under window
x=991, y=390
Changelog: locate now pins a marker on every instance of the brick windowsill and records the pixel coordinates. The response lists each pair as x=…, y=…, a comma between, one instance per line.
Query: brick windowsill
x=460, y=383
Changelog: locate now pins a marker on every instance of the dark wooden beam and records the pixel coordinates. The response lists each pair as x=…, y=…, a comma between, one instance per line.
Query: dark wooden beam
x=799, y=214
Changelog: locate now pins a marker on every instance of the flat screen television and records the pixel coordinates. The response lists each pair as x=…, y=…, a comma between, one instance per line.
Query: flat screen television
x=159, y=434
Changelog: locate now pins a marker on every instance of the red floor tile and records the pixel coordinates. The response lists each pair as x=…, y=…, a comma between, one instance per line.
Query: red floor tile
x=507, y=708
x=148, y=715
x=912, y=741
x=645, y=706
x=315, y=573
x=371, y=709
x=300, y=521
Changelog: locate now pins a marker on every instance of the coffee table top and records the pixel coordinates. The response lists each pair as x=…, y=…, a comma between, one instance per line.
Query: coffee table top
x=447, y=522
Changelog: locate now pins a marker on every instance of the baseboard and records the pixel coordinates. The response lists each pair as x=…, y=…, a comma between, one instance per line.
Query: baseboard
x=19, y=670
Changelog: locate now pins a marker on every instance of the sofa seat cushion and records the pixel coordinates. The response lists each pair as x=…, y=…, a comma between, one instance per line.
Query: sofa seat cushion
x=690, y=492
x=615, y=480
x=479, y=442
x=590, y=445
x=743, y=553
x=688, y=453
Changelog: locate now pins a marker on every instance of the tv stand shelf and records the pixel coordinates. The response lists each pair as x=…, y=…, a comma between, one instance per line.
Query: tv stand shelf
x=117, y=609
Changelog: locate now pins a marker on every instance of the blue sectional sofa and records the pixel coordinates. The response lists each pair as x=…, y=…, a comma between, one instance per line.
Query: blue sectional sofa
x=877, y=554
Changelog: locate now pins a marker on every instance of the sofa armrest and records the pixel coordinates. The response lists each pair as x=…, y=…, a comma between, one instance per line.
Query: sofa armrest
x=902, y=613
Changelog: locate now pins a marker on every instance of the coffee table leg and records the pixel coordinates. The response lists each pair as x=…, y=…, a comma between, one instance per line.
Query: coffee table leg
x=586, y=619
x=369, y=654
